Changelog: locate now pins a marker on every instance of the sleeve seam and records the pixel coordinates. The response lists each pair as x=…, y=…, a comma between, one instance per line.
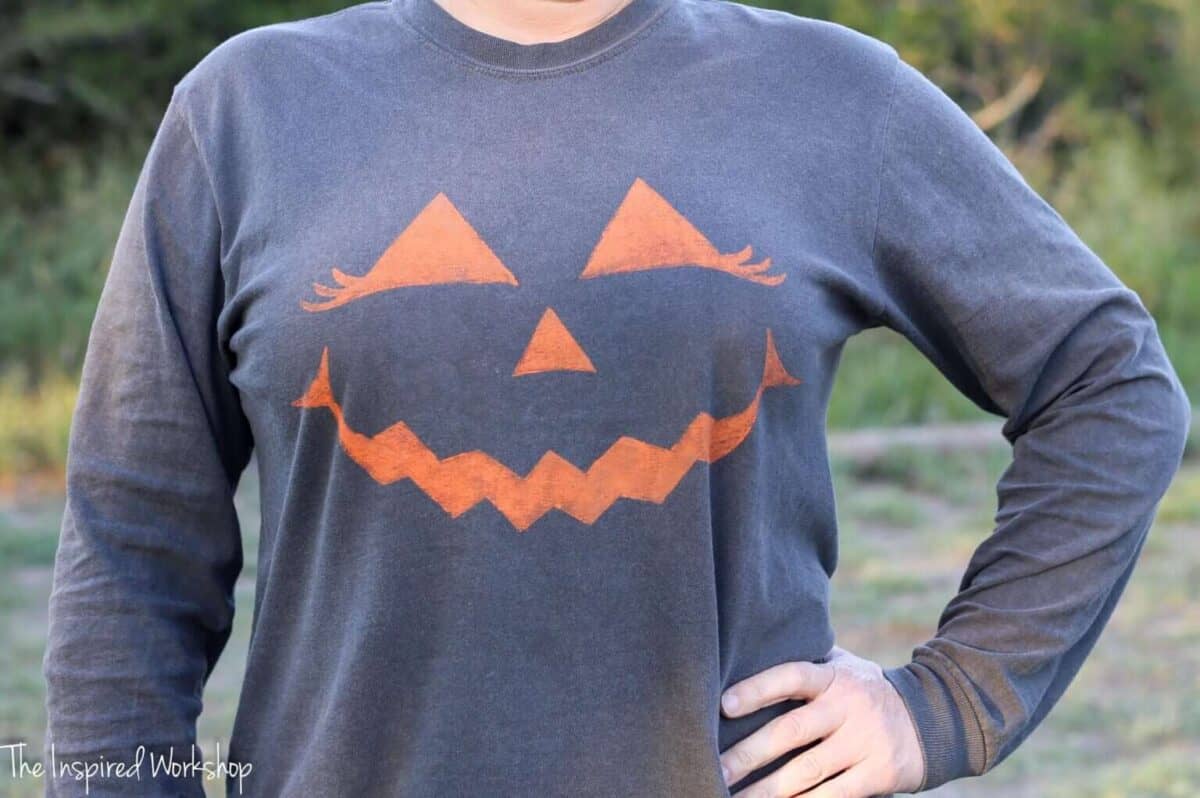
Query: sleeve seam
x=178, y=106
x=185, y=117
x=879, y=171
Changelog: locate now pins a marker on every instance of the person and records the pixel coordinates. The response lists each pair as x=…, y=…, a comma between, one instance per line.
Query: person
x=529, y=313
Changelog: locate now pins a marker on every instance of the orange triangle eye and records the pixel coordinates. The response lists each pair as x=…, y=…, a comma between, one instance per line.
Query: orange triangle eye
x=647, y=232
x=552, y=348
x=437, y=246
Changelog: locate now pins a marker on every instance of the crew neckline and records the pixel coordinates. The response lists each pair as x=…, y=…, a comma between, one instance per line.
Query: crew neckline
x=444, y=29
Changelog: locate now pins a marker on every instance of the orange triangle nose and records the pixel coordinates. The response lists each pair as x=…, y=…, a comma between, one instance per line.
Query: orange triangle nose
x=552, y=348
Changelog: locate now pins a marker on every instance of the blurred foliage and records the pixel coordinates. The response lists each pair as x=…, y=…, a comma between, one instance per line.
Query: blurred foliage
x=79, y=75
x=1097, y=102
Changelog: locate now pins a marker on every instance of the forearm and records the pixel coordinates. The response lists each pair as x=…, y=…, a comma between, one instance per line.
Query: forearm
x=993, y=286
x=1094, y=447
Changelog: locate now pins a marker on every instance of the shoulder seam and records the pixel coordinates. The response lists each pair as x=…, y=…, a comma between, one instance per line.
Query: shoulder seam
x=294, y=24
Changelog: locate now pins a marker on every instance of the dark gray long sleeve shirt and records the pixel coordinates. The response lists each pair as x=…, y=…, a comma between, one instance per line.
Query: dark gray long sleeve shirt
x=533, y=345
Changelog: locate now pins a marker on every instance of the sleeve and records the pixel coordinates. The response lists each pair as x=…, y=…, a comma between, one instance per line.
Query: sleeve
x=988, y=281
x=150, y=546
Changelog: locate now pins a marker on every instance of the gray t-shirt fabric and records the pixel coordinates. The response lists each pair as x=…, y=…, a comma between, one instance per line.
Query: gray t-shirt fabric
x=533, y=345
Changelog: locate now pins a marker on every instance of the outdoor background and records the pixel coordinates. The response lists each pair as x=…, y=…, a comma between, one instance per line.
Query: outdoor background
x=1097, y=103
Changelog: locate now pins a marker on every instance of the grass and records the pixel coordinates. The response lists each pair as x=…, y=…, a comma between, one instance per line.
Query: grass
x=1128, y=727
x=34, y=424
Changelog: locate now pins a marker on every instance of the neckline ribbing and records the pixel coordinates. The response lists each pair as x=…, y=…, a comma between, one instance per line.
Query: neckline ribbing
x=444, y=29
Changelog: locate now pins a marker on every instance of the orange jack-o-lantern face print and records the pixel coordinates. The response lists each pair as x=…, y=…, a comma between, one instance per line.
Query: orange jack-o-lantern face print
x=646, y=232
x=440, y=246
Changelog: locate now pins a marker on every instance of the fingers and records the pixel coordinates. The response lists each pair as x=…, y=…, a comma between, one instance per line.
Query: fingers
x=785, y=680
x=791, y=730
x=852, y=783
x=829, y=757
x=866, y=744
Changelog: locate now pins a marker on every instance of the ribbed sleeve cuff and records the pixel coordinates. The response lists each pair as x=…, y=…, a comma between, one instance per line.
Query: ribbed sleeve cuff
x=951, y=740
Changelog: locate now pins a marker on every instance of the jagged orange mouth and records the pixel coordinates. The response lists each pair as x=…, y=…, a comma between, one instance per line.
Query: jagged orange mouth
x=628, y=469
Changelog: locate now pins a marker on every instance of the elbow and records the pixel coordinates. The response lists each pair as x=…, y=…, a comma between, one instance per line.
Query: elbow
x=1146, y=390
x=1168, y=412
x=1160, y=403
x=1183, y=422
